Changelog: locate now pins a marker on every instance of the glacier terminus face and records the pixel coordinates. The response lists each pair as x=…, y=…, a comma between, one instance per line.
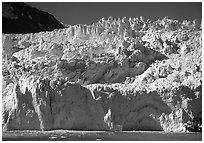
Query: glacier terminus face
x=116, y=74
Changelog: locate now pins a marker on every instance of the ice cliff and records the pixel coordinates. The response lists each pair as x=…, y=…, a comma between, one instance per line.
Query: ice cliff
x=128, y=72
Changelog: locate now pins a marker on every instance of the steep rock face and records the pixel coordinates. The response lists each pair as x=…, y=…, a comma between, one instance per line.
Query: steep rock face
x=127, y=74
x=21, y=18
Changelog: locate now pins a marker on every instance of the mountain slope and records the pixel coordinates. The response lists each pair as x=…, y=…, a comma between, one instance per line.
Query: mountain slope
x=19, y=17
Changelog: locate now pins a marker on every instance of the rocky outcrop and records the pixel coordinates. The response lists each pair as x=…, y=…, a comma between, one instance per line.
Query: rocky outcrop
x=19, y=18
x=112, y=75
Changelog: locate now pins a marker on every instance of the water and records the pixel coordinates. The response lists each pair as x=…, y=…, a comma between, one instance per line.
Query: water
x=64, y=135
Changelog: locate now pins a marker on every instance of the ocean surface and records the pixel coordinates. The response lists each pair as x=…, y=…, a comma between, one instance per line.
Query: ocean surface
x=70, y=135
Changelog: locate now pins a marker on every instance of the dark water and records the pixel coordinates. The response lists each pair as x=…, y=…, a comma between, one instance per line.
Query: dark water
x=64, y=135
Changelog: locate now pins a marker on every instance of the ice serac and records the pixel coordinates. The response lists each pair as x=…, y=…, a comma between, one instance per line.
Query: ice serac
x=18, y=17
x=41, y=104
x=116, y=74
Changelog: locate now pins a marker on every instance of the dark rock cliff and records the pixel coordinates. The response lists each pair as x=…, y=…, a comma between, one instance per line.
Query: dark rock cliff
x=18, y=17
